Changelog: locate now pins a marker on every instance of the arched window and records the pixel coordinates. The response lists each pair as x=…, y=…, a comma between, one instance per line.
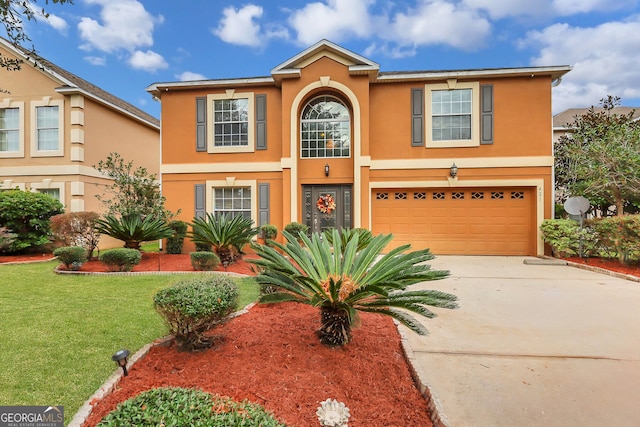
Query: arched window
x=325, y=128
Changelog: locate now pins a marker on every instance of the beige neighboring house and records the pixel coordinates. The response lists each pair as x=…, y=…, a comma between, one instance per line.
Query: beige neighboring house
x=54, y=126
x=562, y=122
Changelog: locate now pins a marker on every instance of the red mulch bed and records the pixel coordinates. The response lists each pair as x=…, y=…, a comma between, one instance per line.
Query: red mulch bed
x=633, y=268
x=272, y=356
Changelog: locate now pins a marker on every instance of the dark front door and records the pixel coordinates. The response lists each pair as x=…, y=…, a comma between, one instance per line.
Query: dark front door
x=326, y=206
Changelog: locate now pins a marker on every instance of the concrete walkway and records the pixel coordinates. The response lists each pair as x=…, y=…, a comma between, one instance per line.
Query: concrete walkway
x=532, y=345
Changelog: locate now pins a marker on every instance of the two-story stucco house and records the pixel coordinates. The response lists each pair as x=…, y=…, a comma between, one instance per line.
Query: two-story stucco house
x=457, y=161
x=54, y=126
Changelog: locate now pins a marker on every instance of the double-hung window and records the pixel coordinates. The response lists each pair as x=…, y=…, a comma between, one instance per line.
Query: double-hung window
x=232, y=120
x=232, y=200
x=47, y=128
x=9, y=130
x=453, y=117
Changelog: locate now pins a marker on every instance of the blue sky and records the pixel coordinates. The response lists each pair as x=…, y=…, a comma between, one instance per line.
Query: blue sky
x=125, y=45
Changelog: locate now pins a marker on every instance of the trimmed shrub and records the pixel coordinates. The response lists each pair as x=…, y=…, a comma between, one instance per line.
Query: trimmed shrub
x=203, y=247
x=71, y=256
x=27, y=215
x=121, y=259
x=77, y=229
x=192, y=306
x=175, y=242
x=268, y=231
x=175, y=406
x=618, y=236
x=204, y=261
x=562, y=235
x=295, y=228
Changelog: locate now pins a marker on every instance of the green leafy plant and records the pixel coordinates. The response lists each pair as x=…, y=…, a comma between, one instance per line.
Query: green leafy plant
x=204, y=261
x=71, y=256
x=227, y=234
x=174, y=243
x=295, y=228
x=268, y=231
x=346, y=234
x=133, y=229
x=175, y=406
x=203, y=247
x=27, y=215
x=121, y=259
x=562, y=235
x=617, y=236
x=341, y=281
x=192, y=306
x=77, y=229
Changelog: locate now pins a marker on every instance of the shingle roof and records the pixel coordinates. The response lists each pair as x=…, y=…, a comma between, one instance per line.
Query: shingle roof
x=75, y=82
x=567, y=117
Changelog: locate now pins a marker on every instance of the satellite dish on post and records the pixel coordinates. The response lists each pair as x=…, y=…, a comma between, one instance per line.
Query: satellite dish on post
x=577, y=205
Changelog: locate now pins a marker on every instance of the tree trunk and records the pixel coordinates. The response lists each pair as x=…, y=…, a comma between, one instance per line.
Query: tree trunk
x=335, y=329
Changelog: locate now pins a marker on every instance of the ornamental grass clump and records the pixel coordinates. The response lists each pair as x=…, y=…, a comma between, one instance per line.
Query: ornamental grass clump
x=120, y=259
x=345, y=279
x=71, y=256
x=176, y=406
x=192, y=306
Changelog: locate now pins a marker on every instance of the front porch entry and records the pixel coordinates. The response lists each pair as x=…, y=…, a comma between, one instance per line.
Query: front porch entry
x=326, y=206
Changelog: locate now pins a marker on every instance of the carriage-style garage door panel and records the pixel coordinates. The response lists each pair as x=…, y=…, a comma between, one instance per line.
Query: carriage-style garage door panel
x=493, y=221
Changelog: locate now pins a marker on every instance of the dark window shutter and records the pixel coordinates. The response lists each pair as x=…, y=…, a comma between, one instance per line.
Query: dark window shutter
x=200, y=201
x=201, y=124
x=417, y=117
x=486, y=122
x=263, y=204
x=261, y=122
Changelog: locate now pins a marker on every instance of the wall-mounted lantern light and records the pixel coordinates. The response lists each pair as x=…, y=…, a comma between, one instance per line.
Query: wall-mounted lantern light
x=453, y=170
x=120, y=357
x=326, y=169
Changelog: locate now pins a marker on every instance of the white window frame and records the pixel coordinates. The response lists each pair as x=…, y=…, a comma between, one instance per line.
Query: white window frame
x=233, y=183
x=475, y=115
x=230, y=95
x=34, y=128
x=7, y=103
x=348, y=122
x=47, y=185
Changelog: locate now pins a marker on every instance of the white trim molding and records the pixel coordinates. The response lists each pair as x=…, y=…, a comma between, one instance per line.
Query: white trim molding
x=231, y=94
x=221, y=167
x=47, y=102
x=467, y=162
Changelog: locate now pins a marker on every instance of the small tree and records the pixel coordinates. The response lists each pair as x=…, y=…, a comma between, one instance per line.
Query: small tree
x=133, y=191
x=77, y=229
x=27, y=215
x=600, y=157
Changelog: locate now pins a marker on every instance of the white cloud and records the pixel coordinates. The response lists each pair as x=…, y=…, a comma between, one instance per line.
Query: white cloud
x=147, y=61
x=604, y=59
x=96, y=60
x=189, y=76
x=55, y=21
x=440, y=22
x=238, y=25
x=498, y=9
x=334, y=20
x=126, y=25
x=572, y=7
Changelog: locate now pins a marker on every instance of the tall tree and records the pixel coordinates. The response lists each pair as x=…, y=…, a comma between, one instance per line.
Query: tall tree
x=600, y=157
x=13, y=14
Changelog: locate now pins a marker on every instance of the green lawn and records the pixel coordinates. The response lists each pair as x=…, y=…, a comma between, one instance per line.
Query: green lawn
x=58, y=332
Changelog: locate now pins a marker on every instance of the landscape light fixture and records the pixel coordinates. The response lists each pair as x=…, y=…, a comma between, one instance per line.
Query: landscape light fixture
x=326, y=169
x=120, y=357
x=453, y=170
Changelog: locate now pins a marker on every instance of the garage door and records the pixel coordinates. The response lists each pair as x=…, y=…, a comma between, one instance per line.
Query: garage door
x=492, y=221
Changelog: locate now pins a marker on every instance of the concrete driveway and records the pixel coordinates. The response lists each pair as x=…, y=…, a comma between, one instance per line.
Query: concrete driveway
x=532, y=345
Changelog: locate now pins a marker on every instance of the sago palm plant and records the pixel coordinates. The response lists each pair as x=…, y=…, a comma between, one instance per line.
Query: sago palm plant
x=227, y=234
x=342, y=280
x=133, y=229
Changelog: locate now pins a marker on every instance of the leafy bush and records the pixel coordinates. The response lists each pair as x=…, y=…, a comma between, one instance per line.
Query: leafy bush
x=227, y=234
x=192, y=306
x=6, y=238
x=121, y=259
x=346, y=234
x=268, y=231
x=133, y=229
x=174, y=243
x=562, y=235
x=77, y=229
x=71, y=256
x=617, y=236
x=175, y=406
x=27, y=215
x=203, y=247
x=204, y=261
x=295, y=228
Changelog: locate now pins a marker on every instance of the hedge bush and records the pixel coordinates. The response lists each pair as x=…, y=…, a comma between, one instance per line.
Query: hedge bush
x=121, y=259
x=192, y=306
x=204, y=261
x=295, y=228
x=71, y=256
x=175, y=406
x=175, y=242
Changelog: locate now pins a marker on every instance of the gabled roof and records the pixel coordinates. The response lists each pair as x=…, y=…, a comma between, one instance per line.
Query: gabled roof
x=565, y=119
x=358, y=65
x=72, y=84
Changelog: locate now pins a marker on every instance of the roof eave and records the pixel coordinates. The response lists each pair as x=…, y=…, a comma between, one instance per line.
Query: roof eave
x=158, y=88
x=554, y=72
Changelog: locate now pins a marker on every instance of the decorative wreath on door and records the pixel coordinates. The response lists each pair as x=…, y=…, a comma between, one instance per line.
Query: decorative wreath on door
x=326, y=204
